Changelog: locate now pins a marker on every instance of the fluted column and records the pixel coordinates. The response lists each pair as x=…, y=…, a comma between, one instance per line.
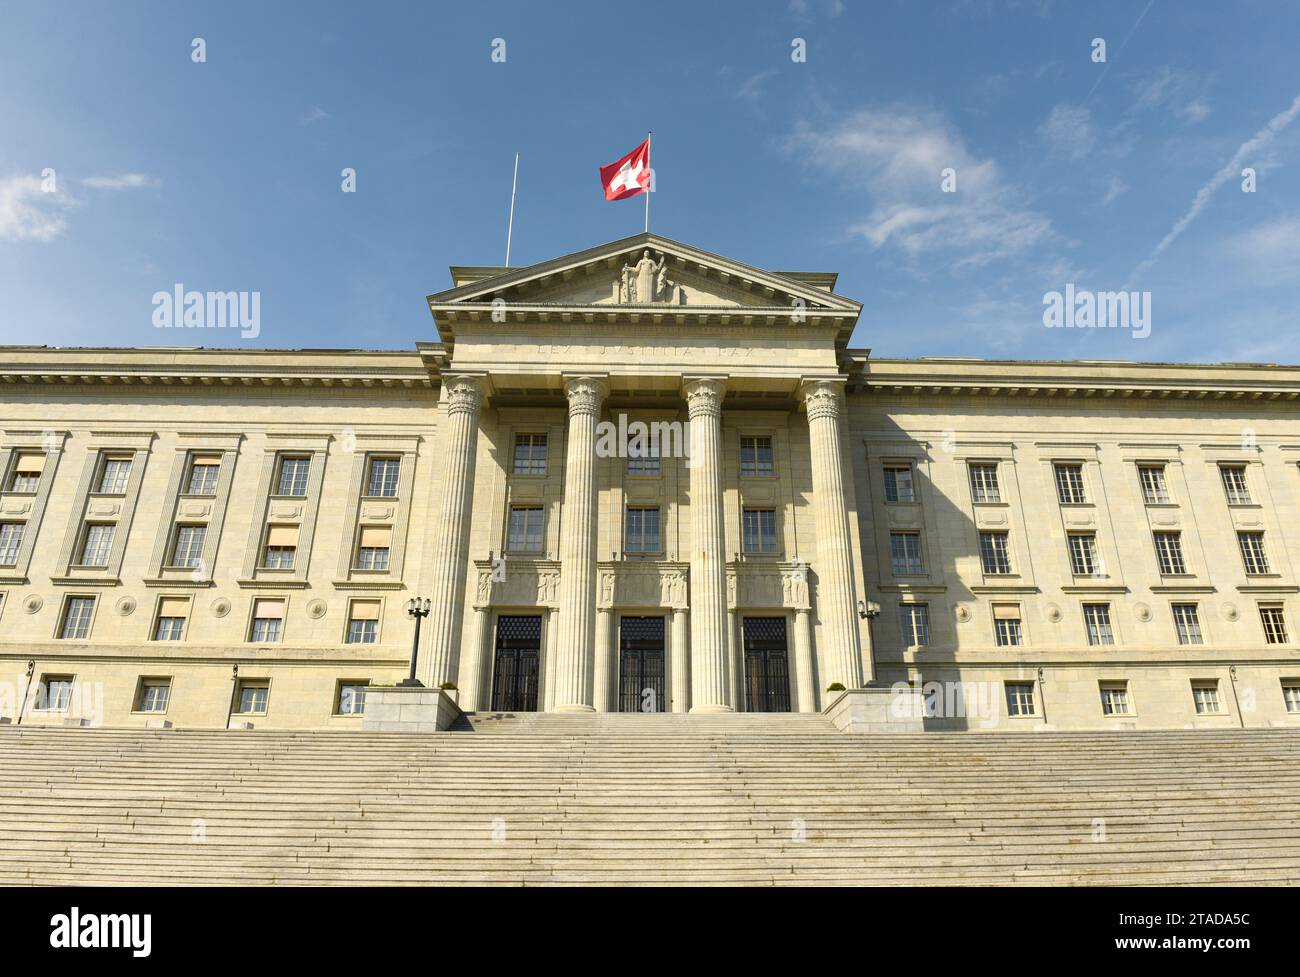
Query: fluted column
x=575, y=646
x=450, y=544
x=836, y=591
x=803, y=665
x=602, y=674
x=710, y=670
x=680, y=660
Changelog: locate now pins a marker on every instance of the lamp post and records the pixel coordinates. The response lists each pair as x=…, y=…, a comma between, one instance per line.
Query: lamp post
x=870, y=609
x=418, y=608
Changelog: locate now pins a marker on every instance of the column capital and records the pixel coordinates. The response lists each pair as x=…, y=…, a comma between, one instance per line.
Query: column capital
x=464, y=392
x=704, y=396
x=585, y=393
x=823, y=396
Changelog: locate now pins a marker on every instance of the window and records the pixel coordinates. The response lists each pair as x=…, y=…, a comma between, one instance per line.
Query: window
x=758, y=530
x=1205, y=695
x=1252, y=552
x=55, y=692
x=1114, y=698
x=525, y=529
x=281, y=547
x=252, y=697
x=1188, y=624
x=96, y=545
x=1234, y=484
x=1154, y=489
x=1006, y=625
x=993, y=553
x=984, y=482
x=1069, y=484
x=153, y=695
x=77, y=613
x=1097, y=619
x=292, y=480
x=914, y=623
x=898, y=484
x=268, y=619
x=643, y=457
x=352, y=698
x=1083, y=554
x=1274, y=620
x=905, y=553
x=756, y=456
x=113, y=476
x=1291, y=694
x=25, y=477
x=11, y=539
x=363, y=622
x=1020, y=698
x=530, y=454
x=642, y=530
x=172, y=612
x=204, y=470
x=1169, y=553
x=374, y=547
x=187, y=550
x=382, y=480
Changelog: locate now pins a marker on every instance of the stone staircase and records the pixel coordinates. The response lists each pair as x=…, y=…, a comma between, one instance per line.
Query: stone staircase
x=741, y=799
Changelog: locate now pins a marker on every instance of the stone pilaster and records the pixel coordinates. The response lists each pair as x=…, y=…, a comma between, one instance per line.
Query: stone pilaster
x=450, y=542
x=681, y=659
x=836, y=591
x=710, y=669
x=575, y=646
x=803, y=664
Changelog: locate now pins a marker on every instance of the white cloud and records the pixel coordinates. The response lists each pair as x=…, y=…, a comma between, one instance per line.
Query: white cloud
x=28, y=212
x=751, y=89
x=314, y=114
x=1114, y=190
x=1069, y=131
x=122, y=181
x=1173, y=91
x=1195, y=111
x=1269, y=252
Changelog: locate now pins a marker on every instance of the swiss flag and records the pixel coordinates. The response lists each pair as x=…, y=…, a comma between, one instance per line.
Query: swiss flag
x=629, y=176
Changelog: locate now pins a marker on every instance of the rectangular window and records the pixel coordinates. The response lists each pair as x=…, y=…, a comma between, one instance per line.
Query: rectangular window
x=905, y=553
x=1252, y=552
x=530, y=454
x=113, y=476
x=77, y=612
x=1291, y=694
x=1188, y=624
x=525, y=529
x=914, y=623
x=172, y=612
x=374, y=547
x=1006, y=625
x=1273, y=617
x=252, y=697
x=898, y=484
x=1169, y=553
x=994, y=555
x=25, y=477
x=1097, y=619
x=55, y=692
x=352, y=698
x=984, y=482
x=11, y=540
x=1020, y=698
x=756, y=456
x=1205, y=695
x=187, y=550
x=96, y=545
x=154, y=694
x=268, y=620
x=1114, y=698
x=292, y=480
x=1083, y=554
x=281, y=548
x=758, y=530
x=204, y=470
x=1154, y=489
x=643, y=458
x=642, y=530
x=381, y=483
x=1234, y=484
x=363, y=622
x=1069, y=484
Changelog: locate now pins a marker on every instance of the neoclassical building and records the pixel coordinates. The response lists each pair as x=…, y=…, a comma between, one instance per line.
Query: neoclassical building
x=644, y=477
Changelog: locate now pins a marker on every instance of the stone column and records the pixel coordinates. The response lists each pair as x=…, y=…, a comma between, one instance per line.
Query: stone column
x=710, y=670
x=681, y=656
x=474, y=673
x=803, y=665
x=450, y=542
x=603, y=672
x=575, y=646
x=836, y=591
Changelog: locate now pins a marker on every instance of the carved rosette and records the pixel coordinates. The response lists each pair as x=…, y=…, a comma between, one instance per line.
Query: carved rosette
x=704, y=398
x=823, y=398
x=585, y=395
x=464, y=394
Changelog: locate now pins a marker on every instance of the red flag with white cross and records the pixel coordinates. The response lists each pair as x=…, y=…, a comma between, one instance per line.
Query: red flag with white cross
x=628, y=176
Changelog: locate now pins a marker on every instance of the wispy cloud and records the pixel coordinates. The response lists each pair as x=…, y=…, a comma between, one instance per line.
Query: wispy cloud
x=752, y=88
x=1173, y=91
x=1269, y=253
x=31, y=209
x=1069, y=131
x=805, y=9
x=121, y=181
x=313, y=114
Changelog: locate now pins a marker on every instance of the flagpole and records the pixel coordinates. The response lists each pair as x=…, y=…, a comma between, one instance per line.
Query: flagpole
x=651, y=184
x=510, y=230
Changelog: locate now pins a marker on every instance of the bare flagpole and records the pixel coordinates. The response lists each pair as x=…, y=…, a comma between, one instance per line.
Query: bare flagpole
x=510, y=230
x=650, y=185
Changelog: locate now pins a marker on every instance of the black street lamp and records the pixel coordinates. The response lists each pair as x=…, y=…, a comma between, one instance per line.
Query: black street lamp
x=870, y=610
x=418, y=608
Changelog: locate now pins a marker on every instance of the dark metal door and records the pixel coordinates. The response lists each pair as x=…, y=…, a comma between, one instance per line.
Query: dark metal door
x=767, y=671
x=641, y=665
x=518, y=656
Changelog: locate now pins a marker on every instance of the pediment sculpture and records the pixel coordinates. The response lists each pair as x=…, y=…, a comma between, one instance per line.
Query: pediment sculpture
x=645, y=282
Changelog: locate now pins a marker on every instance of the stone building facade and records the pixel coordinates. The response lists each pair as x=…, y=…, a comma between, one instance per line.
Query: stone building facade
x=645, y=477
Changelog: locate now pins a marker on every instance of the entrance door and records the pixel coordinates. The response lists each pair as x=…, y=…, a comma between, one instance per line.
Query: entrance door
x=767, y=671
x=641, y=665
x=518, y=654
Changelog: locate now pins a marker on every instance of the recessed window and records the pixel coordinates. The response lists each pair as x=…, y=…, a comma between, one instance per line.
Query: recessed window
x=77, y=612
x=1020, y=698
x=914, y=624
x=114, y=473
x=1273, y=617
x=204, y=470
x=292, y=477
x=153, y=695
x=1006, y=625
x=756, y=456
x=984, y=482
x=898, y=484
x=1097, y=619
x=1069, y=484
x=11, y=540
x=252, y=696
x=994, y=555
x=905, y=553
x=1187, y=622
x=363, y=622
x=1154, y=489
x=96, y=544
x=1291, y=694
x=525, y=534
x=281, y=548
x=758, y=530
x=1205, y=696
x=55, y=692
x=1234, y=484
x=381, y=482
x=172, y=613
x=1252, y=552
x=268, y=619
x=1083, y=554
x=530, y=454
x=25, y=476
x=643, y=457
x=374, y=547
x=187, y=549
x=1169, y=553
x=642, y=530
x=351, y=700
x=1114, y=698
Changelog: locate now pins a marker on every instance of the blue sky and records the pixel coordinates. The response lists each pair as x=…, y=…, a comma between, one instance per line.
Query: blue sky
x=226, y=175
